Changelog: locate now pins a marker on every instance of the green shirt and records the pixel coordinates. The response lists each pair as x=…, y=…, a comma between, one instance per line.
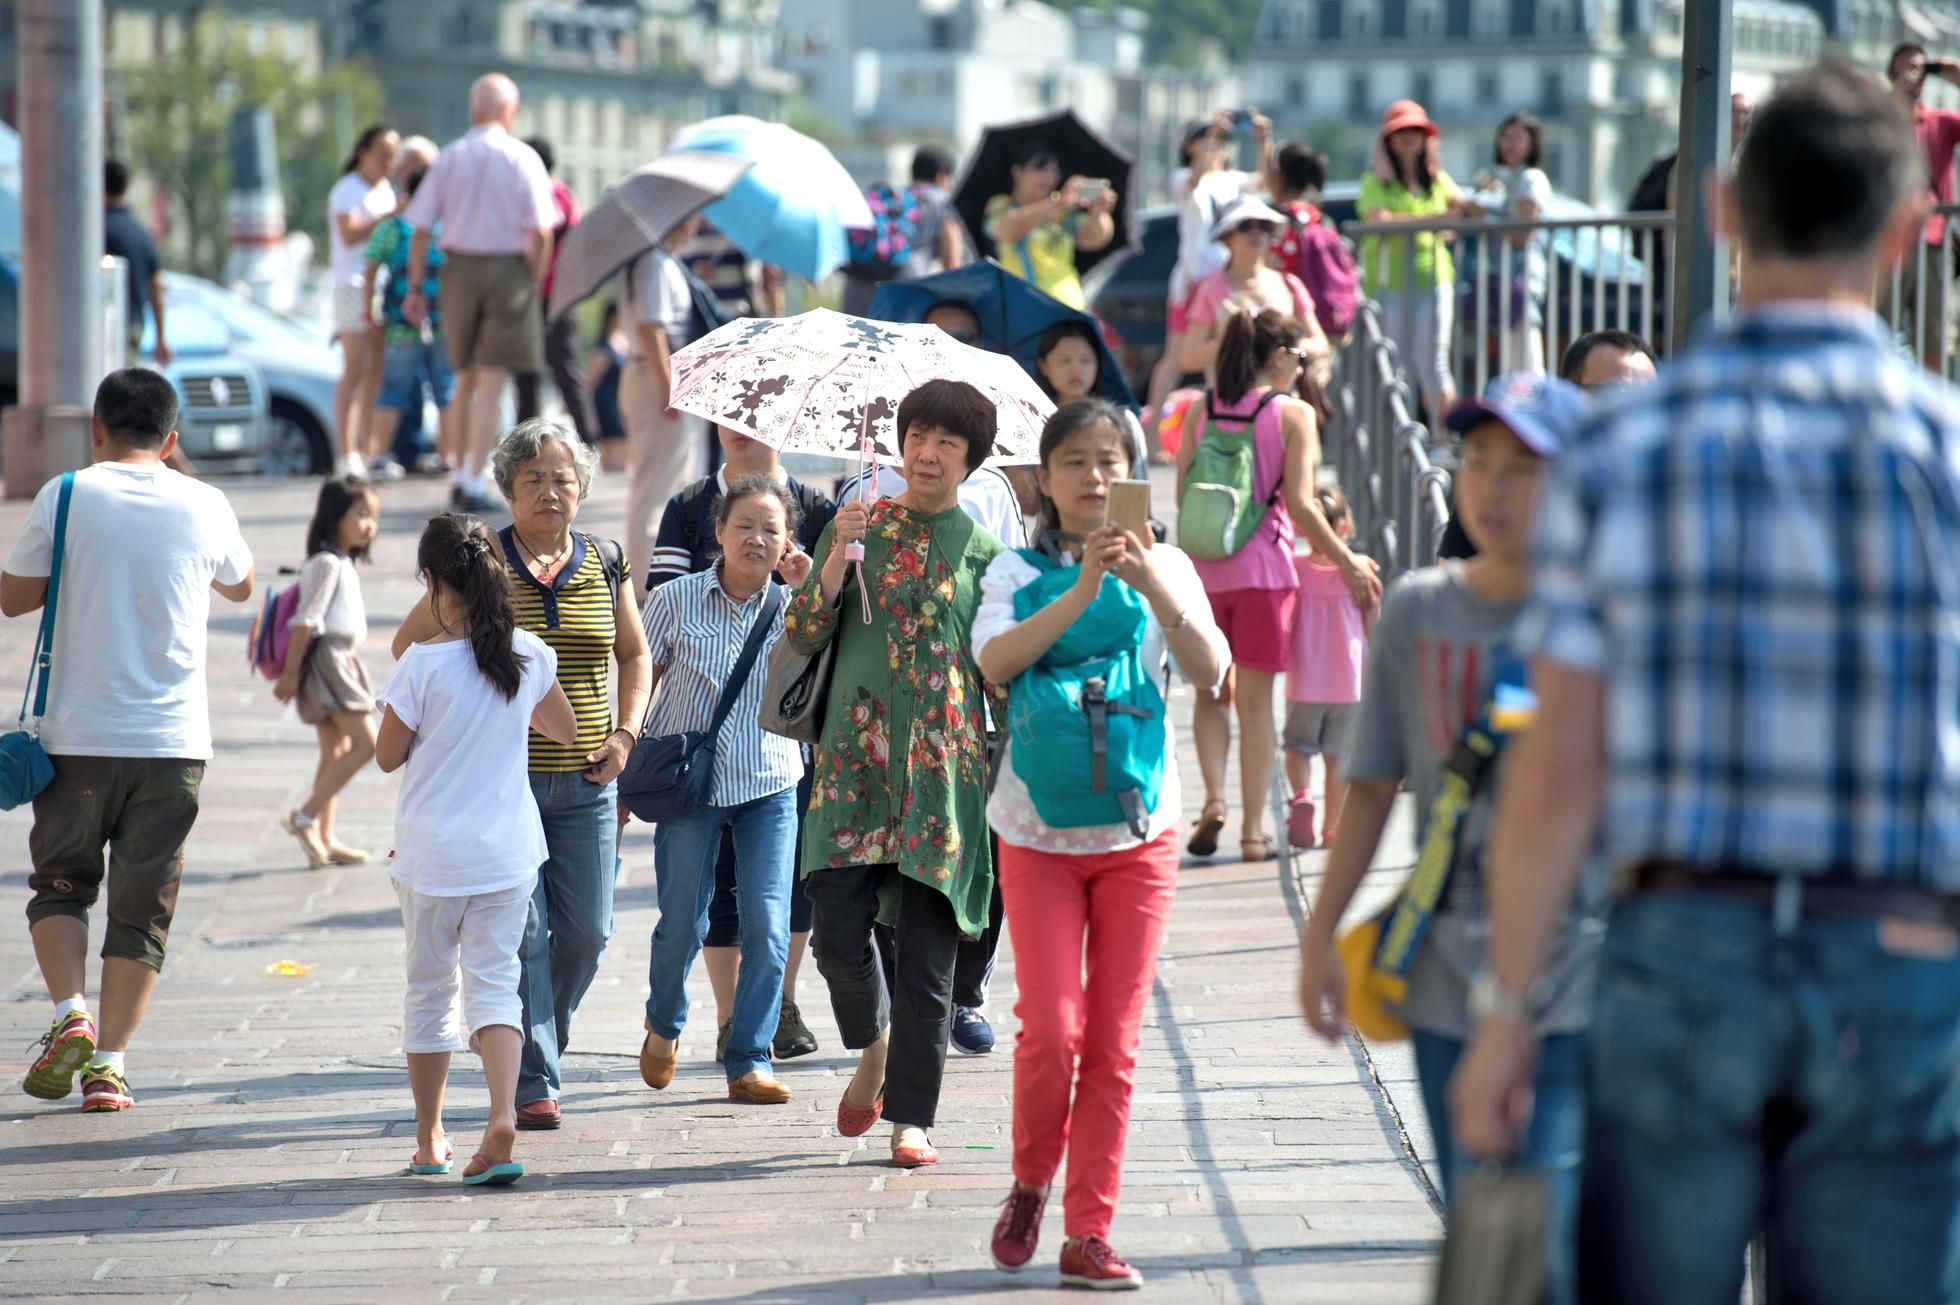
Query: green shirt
x=901, y=771
x=1384, y=263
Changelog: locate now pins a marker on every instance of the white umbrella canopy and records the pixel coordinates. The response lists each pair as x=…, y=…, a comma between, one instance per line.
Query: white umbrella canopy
x=816, y=383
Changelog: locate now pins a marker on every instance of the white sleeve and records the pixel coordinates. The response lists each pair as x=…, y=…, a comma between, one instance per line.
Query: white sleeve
x=664, y=302
x=233, y=557
x=319, y=580
x=402, y=693
x=643, y=288
x=1004, y=577
x=540, y=667
x=32, y=556
x=1535, y=186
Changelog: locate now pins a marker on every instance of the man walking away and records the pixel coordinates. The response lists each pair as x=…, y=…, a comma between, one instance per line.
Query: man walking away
x=125, y=237
x=936, y=242
x=1922, y=307
x=127, y=724
x=490, y=193
x=561, y=334
x=1753, y=562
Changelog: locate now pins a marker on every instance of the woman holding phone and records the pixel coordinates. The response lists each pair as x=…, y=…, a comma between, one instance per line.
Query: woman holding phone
x=1037, y=227
x=1104, y=887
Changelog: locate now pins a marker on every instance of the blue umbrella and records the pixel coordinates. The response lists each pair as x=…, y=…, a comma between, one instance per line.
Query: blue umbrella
x=1012, y=315
x=793, y=207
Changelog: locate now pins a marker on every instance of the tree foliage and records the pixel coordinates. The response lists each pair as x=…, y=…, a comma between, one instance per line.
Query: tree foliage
x=176, y=130
x=1180, y=28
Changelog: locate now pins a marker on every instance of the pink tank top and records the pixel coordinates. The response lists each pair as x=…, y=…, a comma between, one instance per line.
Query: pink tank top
x=1266, y=561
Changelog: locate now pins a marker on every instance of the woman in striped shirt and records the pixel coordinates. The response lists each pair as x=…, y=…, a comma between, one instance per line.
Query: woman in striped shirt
x=570, y=590
x=696, y=627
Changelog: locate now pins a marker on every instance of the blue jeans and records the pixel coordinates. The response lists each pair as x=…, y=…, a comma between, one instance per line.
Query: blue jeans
x=684, y=854
x=1807, y=1084
x=407, y=366
x=1551, y=1145
x=571, y=920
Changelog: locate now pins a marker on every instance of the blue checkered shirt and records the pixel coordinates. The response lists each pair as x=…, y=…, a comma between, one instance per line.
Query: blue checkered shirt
x=1760, y=556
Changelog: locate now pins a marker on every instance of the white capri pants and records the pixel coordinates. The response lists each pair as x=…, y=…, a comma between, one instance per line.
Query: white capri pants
x=1421, y=322
x=462, y=965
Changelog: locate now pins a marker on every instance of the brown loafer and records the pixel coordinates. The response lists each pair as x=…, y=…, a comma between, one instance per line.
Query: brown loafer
x=754, y=1090
x=658, y=1071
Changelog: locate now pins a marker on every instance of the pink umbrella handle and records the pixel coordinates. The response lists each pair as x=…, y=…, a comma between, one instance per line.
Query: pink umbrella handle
x=854, y=551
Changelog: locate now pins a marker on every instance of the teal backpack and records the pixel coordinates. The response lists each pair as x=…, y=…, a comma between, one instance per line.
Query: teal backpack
x=1087, y=721
x=1219, y=508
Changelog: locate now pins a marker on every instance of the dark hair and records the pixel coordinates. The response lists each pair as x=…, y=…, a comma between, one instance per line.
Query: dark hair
x=115, y=178
x=931, y=162
x=1246, y=343
x=1826, y=164
x=1066, y=421
x=1300, y=169
x=413, y=181
x=956, y=408
x=1424, y=178
x=1573, y=365
x=372, y=133
x=1533, y=128
x=963, y=305
x=1900, y=51
x=137, y=407
x=459, y=554
x=759, y=485
x=608, y=318
x=1034, y=154
x=1067, y=328
x=546, y=155
x=1333, y=505
x=337, y=499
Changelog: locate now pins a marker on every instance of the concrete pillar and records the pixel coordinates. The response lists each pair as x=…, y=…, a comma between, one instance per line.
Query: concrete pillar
x=61, y=328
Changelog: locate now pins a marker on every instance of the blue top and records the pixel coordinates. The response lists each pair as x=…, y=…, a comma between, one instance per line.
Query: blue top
x=605, y=395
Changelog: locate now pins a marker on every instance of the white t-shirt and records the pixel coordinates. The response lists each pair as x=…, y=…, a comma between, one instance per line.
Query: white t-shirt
x=353, y=194
x=1198, y=255
x=466, y=822
x=144, y=545
x=330, y=598
x=657, y=294
x=1010, y=811
x=987, y=496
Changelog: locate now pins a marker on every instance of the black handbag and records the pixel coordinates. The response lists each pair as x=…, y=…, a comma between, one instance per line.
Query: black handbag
x=671, y=776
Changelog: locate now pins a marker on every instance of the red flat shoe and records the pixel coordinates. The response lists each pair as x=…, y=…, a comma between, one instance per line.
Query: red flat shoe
x=535, y=1116
x=855, y=1121
x=914, y=1157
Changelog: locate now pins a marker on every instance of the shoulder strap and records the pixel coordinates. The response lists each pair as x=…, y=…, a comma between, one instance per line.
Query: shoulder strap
x=772, y=603
x=691, y=499
x=1246, y=419
x=44, y=640
x=612, y=561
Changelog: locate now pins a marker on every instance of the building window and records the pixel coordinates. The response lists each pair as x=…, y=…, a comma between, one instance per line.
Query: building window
x=1555, y=17
x=1358, y=21
x=1361, y=100
x=1551, y=90
x=1490, y=19
x=1422, y=88
x=1487, y=89
x=1296, y=90
x=942, y=33
x=1428, y=22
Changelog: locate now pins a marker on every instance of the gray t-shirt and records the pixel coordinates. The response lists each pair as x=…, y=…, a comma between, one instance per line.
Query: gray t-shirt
x=1435, y=653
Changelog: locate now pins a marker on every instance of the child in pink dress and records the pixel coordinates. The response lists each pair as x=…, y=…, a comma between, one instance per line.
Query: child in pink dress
x=1323, y=686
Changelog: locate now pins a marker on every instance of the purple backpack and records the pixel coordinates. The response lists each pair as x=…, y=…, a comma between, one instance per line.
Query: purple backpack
x=272, y=632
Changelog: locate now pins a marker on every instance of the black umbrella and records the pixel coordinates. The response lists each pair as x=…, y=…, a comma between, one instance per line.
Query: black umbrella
x=1083, y=152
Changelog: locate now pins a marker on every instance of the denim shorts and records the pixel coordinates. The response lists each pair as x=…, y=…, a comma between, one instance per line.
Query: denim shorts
x=411, y=364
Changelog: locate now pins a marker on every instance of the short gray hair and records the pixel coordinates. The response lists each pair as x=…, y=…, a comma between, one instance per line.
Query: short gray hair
x=523, y=443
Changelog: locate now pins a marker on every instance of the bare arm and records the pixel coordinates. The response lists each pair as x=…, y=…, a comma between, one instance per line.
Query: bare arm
x=354, y=228
x=635, y=661
x=1199, y=347
x=163, y=351
x=1323, y=982
x=1097, y=228
x=392, y=743
x=1187, y=444
x=21, y=594
x=537, y=251
x=418, y=625
x=369, y=276
x=288, y=685
x=951, y=249
x=554, y=718
x=1018, y=223
x=239, y=592
x=1302, y=461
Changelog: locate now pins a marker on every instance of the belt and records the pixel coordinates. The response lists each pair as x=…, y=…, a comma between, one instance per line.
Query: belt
x=1802, y=896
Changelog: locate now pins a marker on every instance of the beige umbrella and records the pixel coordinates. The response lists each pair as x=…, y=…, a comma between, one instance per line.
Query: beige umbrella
x=633, y=216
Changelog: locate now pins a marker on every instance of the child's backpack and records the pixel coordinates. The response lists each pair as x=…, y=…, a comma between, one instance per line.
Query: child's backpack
x=1315, y=252
x=265, y=647
x=881, y=250
x=1087, y=720
x=1219, y=508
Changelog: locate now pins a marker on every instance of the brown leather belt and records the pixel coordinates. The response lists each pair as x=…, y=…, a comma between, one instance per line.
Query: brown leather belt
x=1832, y=897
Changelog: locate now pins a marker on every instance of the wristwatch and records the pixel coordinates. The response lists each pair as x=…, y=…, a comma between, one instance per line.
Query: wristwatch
x=1490, y=999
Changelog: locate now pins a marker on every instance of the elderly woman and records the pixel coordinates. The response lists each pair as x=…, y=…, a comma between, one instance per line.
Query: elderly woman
x=573, y=591
x=696, y=627
x=898, y=811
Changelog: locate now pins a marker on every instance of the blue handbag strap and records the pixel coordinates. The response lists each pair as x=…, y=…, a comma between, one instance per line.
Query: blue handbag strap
x=44, y=640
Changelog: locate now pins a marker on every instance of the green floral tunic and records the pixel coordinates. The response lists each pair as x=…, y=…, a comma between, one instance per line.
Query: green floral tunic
x=901, y=771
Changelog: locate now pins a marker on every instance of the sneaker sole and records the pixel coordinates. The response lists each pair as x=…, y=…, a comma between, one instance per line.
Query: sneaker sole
x=1005, y=1267
x=963, y=1051
x=108, y=1107
x=58, y=1079
x=791, y=1053
x=1102, y=1284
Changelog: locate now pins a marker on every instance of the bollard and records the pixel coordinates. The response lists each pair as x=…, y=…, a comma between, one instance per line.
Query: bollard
x=38, y=444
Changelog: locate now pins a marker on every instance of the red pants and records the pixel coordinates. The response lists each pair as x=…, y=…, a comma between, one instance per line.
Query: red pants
x=1079, y=1034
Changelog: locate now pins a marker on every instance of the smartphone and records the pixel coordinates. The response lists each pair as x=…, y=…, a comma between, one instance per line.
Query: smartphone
x=1092, y=189
x=1242, y=119
x=1128, y=506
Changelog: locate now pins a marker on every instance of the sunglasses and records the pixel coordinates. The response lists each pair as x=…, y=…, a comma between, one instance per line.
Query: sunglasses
x=1255, y=229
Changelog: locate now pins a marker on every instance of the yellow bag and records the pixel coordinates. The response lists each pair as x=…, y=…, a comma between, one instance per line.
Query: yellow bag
x=1370, y=991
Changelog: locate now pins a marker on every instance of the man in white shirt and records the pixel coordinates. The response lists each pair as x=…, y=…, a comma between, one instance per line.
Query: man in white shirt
x=492, y=197
x=127, y=724
x=665, y=448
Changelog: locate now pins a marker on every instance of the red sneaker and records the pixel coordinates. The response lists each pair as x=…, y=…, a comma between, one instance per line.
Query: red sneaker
x=66, y=1047
x=1018, y=1230
x=105, y=1089
x=1299, y=822
x=1093, y=1263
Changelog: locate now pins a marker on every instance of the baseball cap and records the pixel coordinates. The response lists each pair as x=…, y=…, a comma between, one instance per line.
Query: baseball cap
x=1541, y=410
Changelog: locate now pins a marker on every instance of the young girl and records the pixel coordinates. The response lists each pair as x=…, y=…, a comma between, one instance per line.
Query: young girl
x=1106, y=888
x=468, y=840
x=323, y=677
x=1069, y=367
x=1330, y=641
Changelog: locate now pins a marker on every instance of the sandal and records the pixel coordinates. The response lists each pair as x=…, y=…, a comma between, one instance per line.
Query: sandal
x=1210, y=826
x=307, y=832
x=491, y=1174
x=1260, y=847
x=417, y=1166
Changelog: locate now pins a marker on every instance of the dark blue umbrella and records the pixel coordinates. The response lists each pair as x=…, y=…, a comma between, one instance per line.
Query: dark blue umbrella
x=1012, y=314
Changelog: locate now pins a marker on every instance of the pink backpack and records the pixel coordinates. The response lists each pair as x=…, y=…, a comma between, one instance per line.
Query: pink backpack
x=265, y=647
x=1313, y=251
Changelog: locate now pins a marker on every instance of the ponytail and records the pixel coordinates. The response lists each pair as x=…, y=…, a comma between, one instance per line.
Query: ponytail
x=368, y=136
x=1245, y=346
x=459, y=554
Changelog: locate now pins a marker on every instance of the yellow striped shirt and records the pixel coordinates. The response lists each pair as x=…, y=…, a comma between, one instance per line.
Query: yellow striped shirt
x=574, y=615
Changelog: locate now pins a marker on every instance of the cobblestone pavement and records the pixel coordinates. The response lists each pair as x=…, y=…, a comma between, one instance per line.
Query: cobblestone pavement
x=265, y=1159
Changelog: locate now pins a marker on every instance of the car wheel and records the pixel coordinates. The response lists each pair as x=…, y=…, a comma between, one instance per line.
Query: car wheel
x=296, y=444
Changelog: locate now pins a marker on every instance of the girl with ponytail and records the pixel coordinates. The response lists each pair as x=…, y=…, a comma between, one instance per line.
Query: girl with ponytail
x=468, y=838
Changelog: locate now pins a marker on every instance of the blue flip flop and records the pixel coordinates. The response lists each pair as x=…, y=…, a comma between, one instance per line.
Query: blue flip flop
x=440, y=1167
x=502, y=1175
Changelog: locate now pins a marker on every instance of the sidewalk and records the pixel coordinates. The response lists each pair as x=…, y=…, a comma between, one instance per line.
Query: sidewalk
x=265, y=1158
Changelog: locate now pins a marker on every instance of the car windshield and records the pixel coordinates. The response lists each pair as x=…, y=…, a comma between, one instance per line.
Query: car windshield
x=240, y=315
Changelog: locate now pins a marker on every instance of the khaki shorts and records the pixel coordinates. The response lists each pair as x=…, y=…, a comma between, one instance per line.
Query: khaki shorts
x=142, y=809
x=490, y=312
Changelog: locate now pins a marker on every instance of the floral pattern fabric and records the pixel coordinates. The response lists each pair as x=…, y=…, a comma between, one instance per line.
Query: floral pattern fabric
x=901, y=769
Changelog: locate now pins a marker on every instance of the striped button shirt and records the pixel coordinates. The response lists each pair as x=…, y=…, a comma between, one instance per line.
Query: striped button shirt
x=574, y=615
x=1760, y=556
x=696, y=631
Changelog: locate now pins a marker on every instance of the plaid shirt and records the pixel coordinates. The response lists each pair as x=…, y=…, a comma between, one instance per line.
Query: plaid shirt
x=1760, y=556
